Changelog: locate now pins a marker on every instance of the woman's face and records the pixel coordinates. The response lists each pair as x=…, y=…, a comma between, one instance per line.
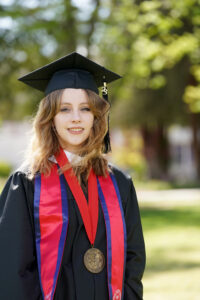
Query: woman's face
x=74, y=120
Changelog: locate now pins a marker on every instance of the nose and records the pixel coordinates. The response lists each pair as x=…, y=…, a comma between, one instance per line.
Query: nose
x=76, y=116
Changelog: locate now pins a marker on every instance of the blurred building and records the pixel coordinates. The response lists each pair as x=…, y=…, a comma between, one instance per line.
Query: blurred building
x=14, y=138
x=182, y=165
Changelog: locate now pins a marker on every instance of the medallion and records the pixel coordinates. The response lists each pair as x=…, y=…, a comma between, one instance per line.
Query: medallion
x=94, y=260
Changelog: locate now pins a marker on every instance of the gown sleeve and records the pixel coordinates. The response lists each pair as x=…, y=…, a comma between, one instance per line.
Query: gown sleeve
x=135, y=261
x=18, y=266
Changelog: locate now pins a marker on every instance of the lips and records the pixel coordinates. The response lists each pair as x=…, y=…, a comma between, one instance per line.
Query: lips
x=75, y=130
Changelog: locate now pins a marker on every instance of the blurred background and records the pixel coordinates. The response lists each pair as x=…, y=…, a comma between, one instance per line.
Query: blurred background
x=155, y=115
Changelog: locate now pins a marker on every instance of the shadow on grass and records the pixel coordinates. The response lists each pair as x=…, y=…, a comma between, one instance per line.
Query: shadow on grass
x=155, y=218
x=161, y=260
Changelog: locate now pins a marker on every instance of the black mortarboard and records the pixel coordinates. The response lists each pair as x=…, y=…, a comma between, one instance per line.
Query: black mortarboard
x=72, y=71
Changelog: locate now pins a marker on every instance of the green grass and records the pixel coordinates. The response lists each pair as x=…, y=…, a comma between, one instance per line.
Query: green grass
x=172, y=238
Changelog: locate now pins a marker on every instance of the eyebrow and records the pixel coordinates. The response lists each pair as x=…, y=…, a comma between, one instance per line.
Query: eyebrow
x=67, y=103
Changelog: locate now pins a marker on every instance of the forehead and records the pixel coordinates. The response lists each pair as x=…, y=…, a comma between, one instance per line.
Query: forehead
x=73, y=96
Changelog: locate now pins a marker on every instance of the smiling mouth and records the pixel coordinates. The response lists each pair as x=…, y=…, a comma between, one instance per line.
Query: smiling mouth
x=75, y=130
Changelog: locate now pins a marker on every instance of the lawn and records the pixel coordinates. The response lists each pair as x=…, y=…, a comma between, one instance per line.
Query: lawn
x=172, y=237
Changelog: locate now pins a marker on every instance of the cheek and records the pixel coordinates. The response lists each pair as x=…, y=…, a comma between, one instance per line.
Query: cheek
x=58, y=121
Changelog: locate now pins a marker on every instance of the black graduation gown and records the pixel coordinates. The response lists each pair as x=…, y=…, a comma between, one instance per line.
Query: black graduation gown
x=19, y=278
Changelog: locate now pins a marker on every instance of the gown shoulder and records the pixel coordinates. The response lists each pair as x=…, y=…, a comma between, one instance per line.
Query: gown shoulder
x=17, y=180
x=124, y=182
x=18, y=274
x=119, y=173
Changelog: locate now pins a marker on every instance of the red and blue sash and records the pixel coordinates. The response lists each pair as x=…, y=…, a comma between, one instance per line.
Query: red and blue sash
x=51, y=222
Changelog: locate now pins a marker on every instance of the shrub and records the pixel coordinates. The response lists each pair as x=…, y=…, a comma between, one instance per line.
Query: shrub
x=129, y=155
x=5, y=169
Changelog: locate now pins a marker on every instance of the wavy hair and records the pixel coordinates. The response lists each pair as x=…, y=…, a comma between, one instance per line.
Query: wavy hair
x=44, y=143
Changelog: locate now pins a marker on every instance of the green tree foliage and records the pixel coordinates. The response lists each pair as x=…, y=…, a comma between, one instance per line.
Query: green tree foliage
x=156, y=45
x=37, y=32
x=144, y=40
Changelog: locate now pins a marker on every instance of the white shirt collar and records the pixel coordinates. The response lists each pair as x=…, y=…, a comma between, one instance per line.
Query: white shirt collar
x=71, y=156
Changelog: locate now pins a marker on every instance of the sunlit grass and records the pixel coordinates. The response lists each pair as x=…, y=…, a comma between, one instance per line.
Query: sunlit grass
x=172, y=238
x=2, y=183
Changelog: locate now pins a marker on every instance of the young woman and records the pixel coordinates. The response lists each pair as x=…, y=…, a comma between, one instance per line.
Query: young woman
x=69, y=222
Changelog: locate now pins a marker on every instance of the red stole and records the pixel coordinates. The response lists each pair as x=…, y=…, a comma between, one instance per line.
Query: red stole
x=51, y=221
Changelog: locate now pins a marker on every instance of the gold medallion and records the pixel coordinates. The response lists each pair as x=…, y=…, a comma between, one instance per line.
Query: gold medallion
x=94, y=260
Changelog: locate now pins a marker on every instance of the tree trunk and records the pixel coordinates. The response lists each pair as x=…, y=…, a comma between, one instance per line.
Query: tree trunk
x=156, y=151
x=196, y=141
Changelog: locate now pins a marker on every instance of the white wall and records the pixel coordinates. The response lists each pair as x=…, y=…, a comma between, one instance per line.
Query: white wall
x=14, y=137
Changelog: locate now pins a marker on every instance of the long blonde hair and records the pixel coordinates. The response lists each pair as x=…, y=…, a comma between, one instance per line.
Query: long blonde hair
x=45, y=144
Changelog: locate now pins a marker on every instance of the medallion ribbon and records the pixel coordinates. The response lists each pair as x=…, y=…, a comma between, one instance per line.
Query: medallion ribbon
x=88, y=211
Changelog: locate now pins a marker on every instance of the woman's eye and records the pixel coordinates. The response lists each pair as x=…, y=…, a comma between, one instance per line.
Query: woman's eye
x=85, y=109
x=64, y=109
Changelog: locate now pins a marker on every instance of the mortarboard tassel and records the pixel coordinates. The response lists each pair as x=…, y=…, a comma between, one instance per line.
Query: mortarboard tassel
x=107, y=136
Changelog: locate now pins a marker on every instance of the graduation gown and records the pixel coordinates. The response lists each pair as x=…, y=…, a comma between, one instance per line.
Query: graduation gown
x=19, y=279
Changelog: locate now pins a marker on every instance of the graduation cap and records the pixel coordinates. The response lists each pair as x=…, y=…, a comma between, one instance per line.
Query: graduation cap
x=72, y=71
